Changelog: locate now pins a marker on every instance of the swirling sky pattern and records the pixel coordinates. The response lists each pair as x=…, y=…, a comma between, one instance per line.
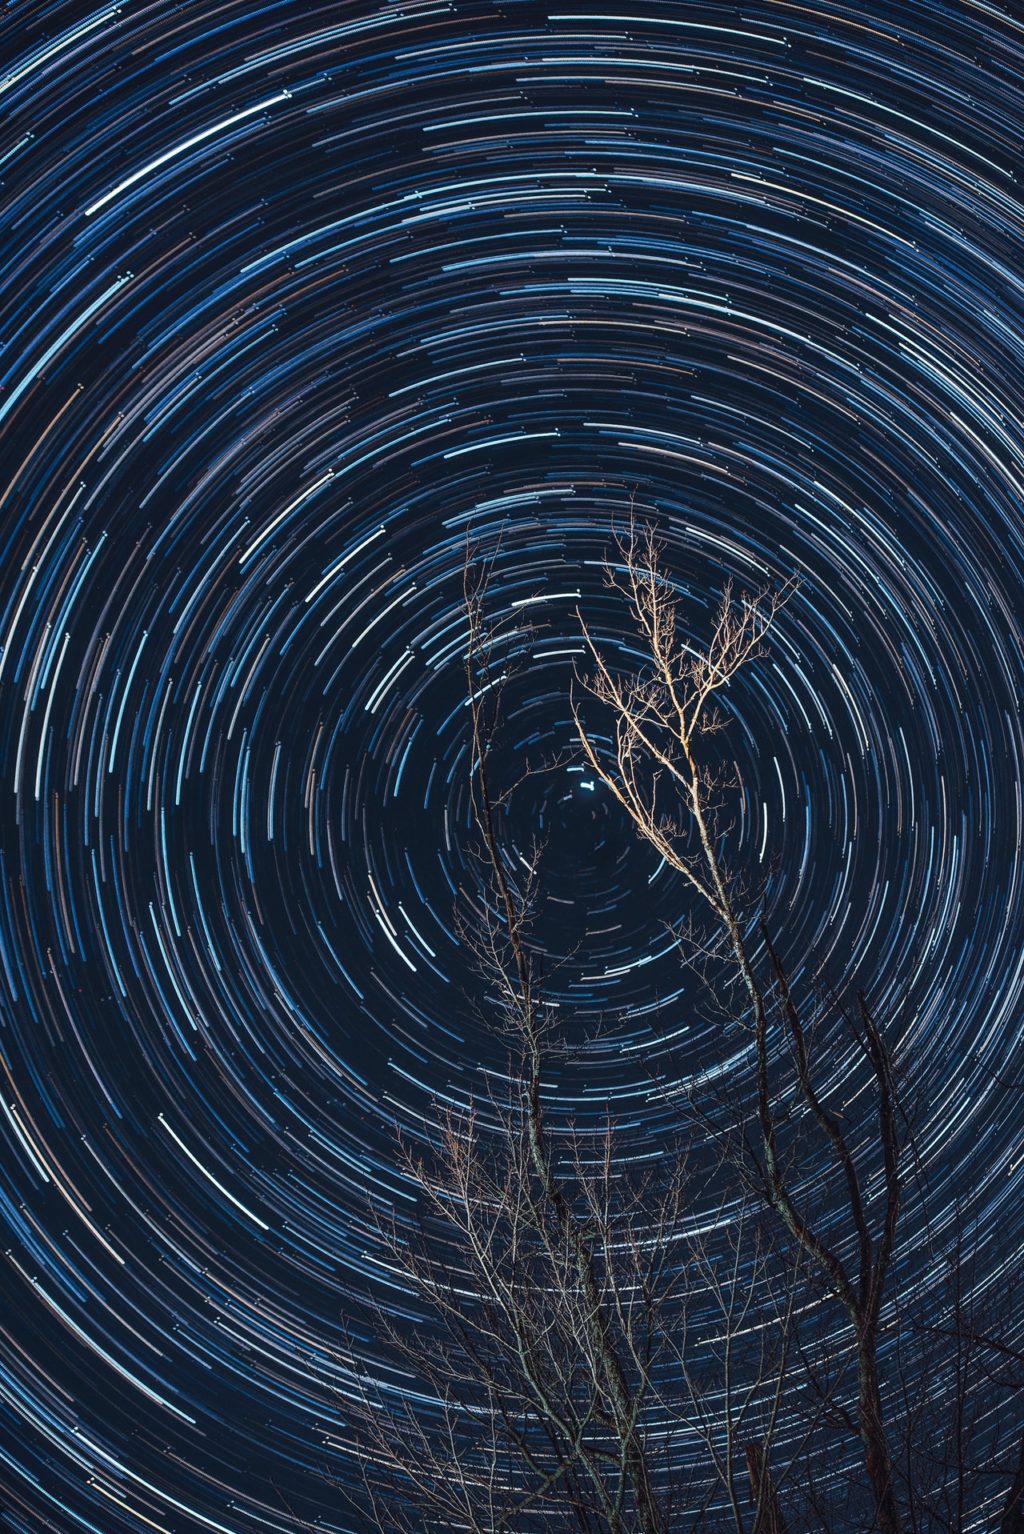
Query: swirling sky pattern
x=295, y=299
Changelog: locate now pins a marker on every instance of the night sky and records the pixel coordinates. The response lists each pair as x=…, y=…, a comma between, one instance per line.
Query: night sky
x=296, y=299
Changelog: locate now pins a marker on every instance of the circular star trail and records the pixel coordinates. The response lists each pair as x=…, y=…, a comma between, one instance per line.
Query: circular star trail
x=296, y=301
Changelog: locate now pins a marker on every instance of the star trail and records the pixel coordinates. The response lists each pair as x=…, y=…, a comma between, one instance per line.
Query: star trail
x=296, y=299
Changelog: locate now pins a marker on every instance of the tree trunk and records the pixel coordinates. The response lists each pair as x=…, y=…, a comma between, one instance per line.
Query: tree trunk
x=877, y=1459
x=768, y=1517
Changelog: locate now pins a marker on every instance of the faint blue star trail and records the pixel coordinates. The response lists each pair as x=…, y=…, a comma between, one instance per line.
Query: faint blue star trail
x=295, y=300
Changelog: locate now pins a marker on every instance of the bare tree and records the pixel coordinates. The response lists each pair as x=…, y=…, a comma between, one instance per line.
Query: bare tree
x=659, y=721
x=542, y=1372
x=571, y=1347
x=540, y=1272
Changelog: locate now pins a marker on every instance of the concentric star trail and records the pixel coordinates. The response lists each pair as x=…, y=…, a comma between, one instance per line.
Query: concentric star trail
x=296, y=300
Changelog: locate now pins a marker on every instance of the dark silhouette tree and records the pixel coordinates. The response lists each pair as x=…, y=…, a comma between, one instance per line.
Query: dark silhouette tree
x=660, y=718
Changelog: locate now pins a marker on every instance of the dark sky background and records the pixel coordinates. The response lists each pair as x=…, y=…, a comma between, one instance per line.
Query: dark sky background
x=295, y=299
